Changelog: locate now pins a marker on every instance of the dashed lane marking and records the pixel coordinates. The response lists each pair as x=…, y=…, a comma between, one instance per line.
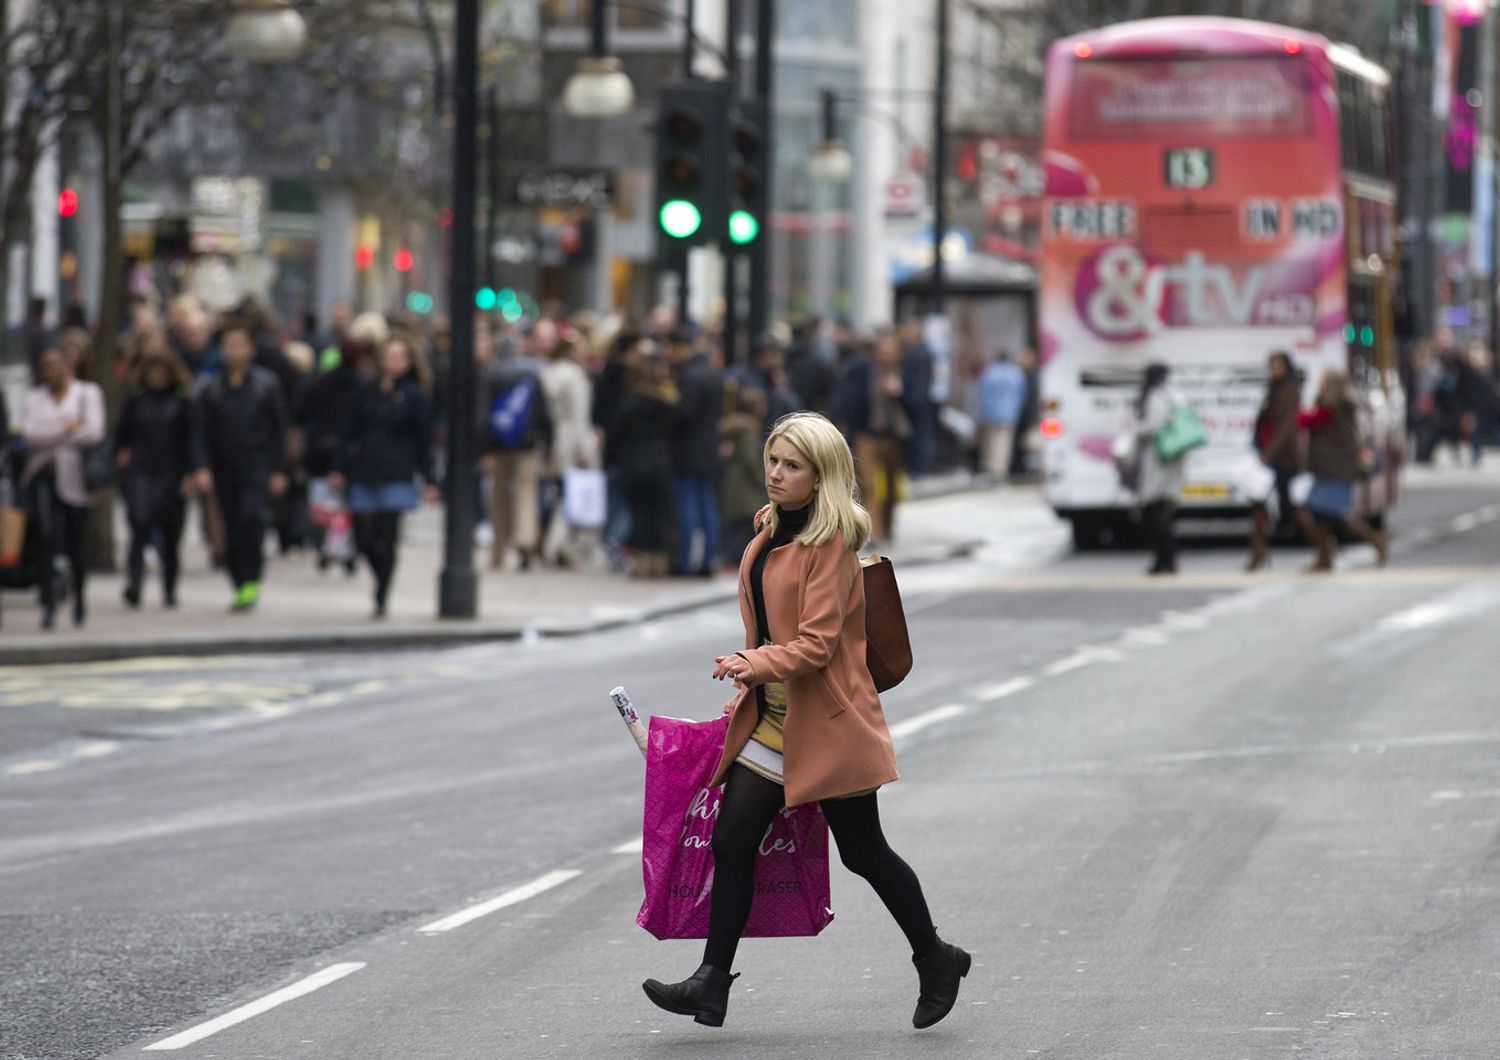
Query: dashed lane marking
x=1014, y=686
x=509, y=898
x=332, y=974
x=630, y=846
x=911, y=726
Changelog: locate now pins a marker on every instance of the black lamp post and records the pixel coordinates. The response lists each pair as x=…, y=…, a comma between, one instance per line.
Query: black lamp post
x=458, y=585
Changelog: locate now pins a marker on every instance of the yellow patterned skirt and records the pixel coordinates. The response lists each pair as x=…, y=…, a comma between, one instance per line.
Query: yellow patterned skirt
x=762, y=753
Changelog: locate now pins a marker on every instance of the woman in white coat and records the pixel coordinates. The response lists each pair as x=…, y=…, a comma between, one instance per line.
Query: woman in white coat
x=64, y=417
x=1160, y=480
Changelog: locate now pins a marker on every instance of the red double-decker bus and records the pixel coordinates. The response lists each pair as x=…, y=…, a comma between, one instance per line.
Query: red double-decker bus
x=1217, y=189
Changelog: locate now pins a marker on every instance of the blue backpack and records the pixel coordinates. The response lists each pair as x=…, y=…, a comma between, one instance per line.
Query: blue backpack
x=511, y=413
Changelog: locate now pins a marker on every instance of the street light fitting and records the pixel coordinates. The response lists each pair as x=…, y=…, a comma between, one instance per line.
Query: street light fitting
x=266, y=31
x=599, y=88
x=831, y=163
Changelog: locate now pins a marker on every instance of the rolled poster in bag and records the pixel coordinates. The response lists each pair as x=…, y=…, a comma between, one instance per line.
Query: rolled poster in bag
x=791, y=873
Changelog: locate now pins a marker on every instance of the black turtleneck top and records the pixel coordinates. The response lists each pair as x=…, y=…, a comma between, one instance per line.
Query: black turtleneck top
x=788, y=525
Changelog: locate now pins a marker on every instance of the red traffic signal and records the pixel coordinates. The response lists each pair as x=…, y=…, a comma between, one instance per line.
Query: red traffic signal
x=403, y=260
x=364, y=256
x=67, y=203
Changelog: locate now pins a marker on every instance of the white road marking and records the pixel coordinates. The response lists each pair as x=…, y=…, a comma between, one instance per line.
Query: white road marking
x=633, y=846
x=1085, y=656
x=34, y=765
x=903, y=729
x=1465, y=603
x=316, y=981
x=1462, y=524
x=509, y=898
x=96, y=749
x=1005, y=688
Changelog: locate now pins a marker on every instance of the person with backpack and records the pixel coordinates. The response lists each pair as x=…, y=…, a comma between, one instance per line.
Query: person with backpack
x=518, y=431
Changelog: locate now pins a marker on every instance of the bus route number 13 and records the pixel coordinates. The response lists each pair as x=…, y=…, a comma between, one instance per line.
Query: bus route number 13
x=1190, y=167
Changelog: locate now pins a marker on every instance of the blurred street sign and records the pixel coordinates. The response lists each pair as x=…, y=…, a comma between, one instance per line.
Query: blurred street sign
x=563, y=189
x=905, y=195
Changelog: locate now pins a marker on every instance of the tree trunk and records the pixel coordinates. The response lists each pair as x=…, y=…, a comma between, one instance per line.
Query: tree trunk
x=101, y=533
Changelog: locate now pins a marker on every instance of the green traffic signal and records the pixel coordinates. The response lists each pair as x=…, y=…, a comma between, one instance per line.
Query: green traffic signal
x=1367, y=336
x=486, y=299
x=743, y=227
x=680, y=218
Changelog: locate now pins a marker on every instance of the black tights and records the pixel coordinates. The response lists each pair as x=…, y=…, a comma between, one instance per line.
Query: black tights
x=376, y=534
x=749, y=806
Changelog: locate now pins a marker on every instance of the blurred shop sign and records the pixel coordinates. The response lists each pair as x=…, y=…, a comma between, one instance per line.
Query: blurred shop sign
x=564, y=189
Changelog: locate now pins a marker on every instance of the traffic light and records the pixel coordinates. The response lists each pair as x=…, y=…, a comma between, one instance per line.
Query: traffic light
x=748, y=186
x=690, y=162
x=67, y=203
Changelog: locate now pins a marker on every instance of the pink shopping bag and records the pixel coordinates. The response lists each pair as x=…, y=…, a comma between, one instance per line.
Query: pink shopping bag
x=791, y=874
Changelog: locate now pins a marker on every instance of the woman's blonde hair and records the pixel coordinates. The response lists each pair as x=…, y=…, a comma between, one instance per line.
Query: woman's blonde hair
x=836, y=507
x=1334, y=388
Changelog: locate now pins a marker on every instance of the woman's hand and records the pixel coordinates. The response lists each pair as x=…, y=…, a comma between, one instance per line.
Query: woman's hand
x=734, y=667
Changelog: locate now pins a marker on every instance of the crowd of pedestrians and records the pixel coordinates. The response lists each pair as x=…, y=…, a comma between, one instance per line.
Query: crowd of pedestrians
x=627, y=444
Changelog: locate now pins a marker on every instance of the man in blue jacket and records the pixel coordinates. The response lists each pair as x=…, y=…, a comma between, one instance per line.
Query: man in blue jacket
x=1002, y=396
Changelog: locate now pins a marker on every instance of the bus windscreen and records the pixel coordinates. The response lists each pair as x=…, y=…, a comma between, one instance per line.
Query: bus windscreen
x=1226, y=98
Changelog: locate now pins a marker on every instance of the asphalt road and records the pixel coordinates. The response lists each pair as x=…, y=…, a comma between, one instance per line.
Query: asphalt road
x=1221, y=816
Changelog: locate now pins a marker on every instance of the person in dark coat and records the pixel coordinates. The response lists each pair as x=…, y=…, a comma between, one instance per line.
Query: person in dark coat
x=240, y=425
x=610, y=388
x=387, y=448
x=153, y=451
x=1277, y=441
x=643, y=460
x=695, y=455
x=323, y=416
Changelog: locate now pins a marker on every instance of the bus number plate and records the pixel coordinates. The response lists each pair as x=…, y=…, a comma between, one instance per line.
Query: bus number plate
x=1190, y=167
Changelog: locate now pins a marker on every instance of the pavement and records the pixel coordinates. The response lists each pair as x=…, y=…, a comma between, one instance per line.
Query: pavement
x=303, y=609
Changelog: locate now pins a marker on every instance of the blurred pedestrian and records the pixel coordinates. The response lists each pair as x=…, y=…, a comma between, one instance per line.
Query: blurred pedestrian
x=766, y=371
x=1161, y=479
x=570, y=395
x=806, y=725
x=518, y=431
x=610, y=387
x=240, y=435
x=742, y=485
x=695, y=455
x=1278, y=444
x=643, y=454
x=323, y=420
x=1483, y=401
x=878, y=411
x=153, y=451
x=917, y=367
x=1335, y=460
x=387, y=449
x=63, y=418
x=1002, y=396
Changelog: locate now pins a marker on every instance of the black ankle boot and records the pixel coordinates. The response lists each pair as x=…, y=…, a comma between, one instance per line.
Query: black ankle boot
x=939, y=973
x=704, y=995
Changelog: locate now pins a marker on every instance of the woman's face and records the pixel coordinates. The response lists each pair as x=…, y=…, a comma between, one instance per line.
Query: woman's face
x=52, y=368
x=395, y=362
x=1277, y=367
x=790, y=479
x=156, y=376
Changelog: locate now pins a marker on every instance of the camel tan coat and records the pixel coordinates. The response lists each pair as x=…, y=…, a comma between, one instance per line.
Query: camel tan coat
x=836, y=740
